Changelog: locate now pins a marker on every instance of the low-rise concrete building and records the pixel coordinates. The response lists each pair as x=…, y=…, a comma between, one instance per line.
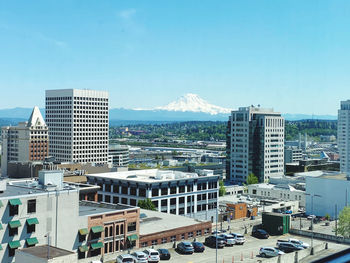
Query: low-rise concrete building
x=283, y=192
x=171, y=192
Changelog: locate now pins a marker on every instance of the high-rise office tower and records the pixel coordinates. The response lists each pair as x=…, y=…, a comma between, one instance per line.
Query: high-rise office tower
x=78, y=125
x=344, y=136
x=28, y=141
x=255, y=144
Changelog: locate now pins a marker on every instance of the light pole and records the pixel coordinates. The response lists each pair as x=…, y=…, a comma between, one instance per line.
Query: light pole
x=312, y=220
x=216, y=233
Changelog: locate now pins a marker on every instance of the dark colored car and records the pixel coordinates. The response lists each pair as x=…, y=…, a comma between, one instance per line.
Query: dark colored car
x=260, y=233
x=185, y=248
x=164, y=254
x=287, y=248
x=198, y=246
x=211, y=241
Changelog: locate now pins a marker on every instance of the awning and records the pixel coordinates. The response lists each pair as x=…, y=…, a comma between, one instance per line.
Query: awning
x=1, y=227
x=14, y=224
x=32, y=241
x=133, y=237
x=97, y=229
x=15, y=201
x=83, y=231
x=97, y=245
x=1, y=204
x=83, y=248
x=32, y=221
x=0, y=247
x=15, y=244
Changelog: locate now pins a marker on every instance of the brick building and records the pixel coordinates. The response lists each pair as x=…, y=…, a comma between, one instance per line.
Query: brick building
x=158, y=228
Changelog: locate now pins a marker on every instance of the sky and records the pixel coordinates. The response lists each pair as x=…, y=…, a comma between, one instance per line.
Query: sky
x=292, y=55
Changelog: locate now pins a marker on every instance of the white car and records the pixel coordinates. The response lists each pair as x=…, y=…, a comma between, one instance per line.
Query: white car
x=238, y=238
x=229, y=239
x=270, y=252
x=152, y=255
x=299, y=242
x=126, y=258
x=310, y=217
x=140, y=257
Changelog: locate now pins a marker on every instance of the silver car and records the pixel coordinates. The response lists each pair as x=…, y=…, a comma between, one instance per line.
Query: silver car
x=126, y=258
x=270, y=252
x=229, y=239
x=140, y=257
x=238, y=238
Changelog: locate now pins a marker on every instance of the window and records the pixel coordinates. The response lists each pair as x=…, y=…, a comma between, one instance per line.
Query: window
x=172, y=238
x=144, y=244
x=173, y=201
x=164, y=202
x=154, y=242
x=164, y=191
x=13, y=232
x=133, y=202
x=30, y=228
x=164, y=240
x=115, y=199
x=206, y=231
x=31, y=206
x=199, y=233
x=13, y=210
x=107, y=198
x=182, y=236
x=155, y=192
x=12, y=252
x=117, y=230
x=190, y=234
x=131, y=226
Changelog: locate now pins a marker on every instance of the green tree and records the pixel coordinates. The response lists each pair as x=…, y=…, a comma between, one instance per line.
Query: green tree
x=344, y=222
x=252, y=179
x=147, y=204
x=222, y=189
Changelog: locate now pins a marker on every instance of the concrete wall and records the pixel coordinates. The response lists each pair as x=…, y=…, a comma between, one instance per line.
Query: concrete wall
x=57, y=213
x=332, y=191
x=322, y=236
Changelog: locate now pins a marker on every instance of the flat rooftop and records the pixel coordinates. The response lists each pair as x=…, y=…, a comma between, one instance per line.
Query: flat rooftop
x=148, y=175
x=154, y=222
x=338, y=176
x=42, y=252
x=87, y=208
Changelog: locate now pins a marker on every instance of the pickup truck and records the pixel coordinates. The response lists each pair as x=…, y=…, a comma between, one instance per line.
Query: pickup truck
x=293, y=241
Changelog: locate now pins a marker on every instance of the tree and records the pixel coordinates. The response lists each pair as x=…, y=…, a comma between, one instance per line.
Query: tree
x=222, y=189
x=147, y=204
x=344, y=222
x=252, y=179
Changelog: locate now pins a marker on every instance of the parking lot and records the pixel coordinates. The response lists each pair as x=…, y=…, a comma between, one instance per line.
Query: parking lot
x=249, y=252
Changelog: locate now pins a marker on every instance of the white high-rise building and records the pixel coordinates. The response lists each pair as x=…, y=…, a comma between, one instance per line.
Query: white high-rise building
x=78, y=125
x=255, y=144
x=344, y=136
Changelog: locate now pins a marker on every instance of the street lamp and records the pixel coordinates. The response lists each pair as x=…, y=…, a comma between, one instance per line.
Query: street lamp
x=312, y=220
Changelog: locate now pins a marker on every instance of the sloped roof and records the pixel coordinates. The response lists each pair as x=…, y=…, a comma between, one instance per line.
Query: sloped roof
x=36, y=119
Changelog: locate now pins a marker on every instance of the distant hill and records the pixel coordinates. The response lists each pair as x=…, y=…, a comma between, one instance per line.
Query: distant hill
x=11, y=116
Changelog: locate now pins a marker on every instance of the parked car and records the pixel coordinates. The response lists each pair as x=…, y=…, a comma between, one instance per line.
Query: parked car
x=185, y=248
x=198, y=246
x=289, y=247
x=260, y=233
x=270, y=252
x=240, y=239
x=288, y=212
x=152, y=255
x=229, y=239
x=211, y=241
x=164, y=254
x=140, y=257
x=126, y=258
x=293, y=241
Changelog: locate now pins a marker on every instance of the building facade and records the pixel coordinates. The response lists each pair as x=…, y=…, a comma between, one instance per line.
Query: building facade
x=255, y=144
x=171, y=192
x=292, y=154
x=118, y=155
x=344, y=136
x=78, y=125
x=26, y=142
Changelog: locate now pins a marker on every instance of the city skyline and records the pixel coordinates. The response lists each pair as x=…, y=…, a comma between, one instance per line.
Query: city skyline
x=280, y=55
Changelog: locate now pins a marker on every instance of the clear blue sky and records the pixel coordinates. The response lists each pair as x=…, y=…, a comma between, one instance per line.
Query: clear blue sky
x=290, y=55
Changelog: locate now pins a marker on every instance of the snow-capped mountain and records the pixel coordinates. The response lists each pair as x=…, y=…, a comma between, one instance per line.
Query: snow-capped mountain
x=193, y=103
